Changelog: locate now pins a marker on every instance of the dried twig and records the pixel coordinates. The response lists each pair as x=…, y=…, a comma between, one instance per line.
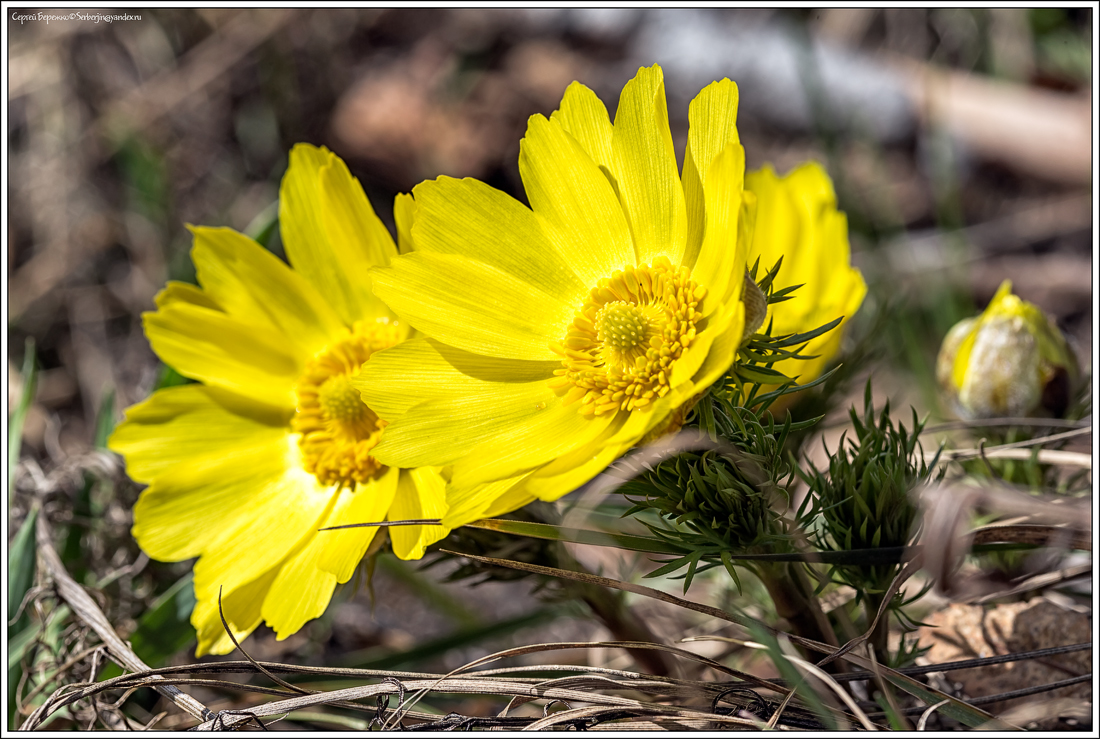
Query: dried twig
x=1017, y=450
x=88, y=612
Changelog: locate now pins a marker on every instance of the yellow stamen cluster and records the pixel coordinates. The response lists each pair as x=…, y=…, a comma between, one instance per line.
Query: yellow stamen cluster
x=619, y=351
x=338, y=431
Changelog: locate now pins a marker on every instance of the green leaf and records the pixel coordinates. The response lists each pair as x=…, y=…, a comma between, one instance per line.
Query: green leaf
x=21, y=642
x=264, y=225
x=21, y=567
x=165, y=628
x=170, y=378
x=19, y=415
x=349, y=723
x=761, y=374
x=793, y=677
x=802, y=338
x=952, y=708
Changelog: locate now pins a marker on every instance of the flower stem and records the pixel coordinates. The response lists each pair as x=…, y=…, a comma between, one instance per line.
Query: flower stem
x=792, y=594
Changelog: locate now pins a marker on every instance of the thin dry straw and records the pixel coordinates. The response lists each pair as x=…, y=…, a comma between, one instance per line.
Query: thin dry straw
x=87, y=611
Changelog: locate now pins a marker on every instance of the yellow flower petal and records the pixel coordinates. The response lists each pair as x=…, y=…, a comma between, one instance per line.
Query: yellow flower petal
x=471, y=219
x=575, y=200
x=703, y=347
x=238, y=545
x=572, y=471
x=223, y=351
x=404, y=213
x=241, y=608
x=300, y=592
x=584, y=117
x=485, y=501
x=536, y=440
x=252, y=284
x=473, y=305
x=712, y=118
x=199, y=429
x=645, y=169
x=723, y=247
x=464, y=419
x=343, y=549
x=181, y=292
x=331, y=233
x=421, y=493
x=798, y=220
x=421, y=369
x=723, y=350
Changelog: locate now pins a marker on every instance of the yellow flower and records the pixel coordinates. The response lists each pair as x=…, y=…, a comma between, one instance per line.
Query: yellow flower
x=1009, y=361
x=797, y=220
x=274, y=444
x=560, y=335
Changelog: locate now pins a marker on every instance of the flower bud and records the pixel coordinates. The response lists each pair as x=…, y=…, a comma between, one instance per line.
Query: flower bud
x=1009, y=361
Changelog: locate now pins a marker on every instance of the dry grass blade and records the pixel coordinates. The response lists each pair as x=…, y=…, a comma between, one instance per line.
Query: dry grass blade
x=87, y=611
x=270, y=676
x=989, y=422
x=928, y=714
x=960, y=709
x=532, y=648
x=809, y=667
x=1057, y=708
x=908, y=571
x=805, y=666
x=1018, y=450
x=597, y=712
x=461, y=685
x=1039, y=582
x=1037, y=534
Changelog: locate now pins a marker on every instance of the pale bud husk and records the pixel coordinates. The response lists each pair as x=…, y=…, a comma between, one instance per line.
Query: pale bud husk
x=756, y=307
x=1009, y=361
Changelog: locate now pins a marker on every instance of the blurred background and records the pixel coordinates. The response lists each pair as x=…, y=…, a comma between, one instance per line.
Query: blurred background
x=959, y=142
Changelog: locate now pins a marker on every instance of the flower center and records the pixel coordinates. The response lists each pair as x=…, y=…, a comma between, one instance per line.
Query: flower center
x=341, y=402
x=337, y=429
x=621, y=326
x=619, y=351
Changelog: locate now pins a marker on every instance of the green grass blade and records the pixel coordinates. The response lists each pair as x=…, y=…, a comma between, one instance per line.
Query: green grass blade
x=105, y=419
x=165, y=628
x=19, y=415
x=264, y=225
x=652, y=545
x=629, y=542
x=21, y=642
x=21, y=567
x=319, y=717
x=168, y=377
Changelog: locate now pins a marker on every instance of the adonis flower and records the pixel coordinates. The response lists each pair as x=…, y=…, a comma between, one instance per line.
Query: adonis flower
x=273, y=443
x=1011, y=360
x=797, y=219
x=559, y=336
